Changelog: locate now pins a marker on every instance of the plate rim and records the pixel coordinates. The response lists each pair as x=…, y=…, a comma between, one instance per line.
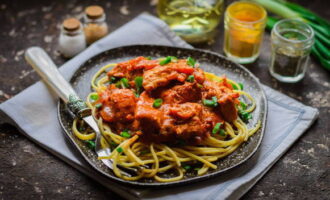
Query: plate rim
x=182, y=181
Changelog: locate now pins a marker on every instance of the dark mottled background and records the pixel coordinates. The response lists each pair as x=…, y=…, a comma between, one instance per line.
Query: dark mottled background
x=29, y=172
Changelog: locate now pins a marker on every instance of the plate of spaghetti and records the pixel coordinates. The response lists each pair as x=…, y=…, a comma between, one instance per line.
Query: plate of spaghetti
x=174, y=115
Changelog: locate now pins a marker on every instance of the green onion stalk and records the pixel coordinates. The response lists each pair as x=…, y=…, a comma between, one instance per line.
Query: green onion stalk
x=285, y=9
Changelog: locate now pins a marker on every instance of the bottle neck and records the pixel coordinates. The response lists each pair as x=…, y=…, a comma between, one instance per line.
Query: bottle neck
x=98, y=20
x=71, y=33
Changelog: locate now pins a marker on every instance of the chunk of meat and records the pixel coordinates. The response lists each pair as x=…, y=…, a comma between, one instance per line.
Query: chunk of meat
x=184, y=121
x=118, y=105
x=226, y=98
x=129, y=69
x=148, y=117
x=188, y=92
x=211, y=118
x=163, y=75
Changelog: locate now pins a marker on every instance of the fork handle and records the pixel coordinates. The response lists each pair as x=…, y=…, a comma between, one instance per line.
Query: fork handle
x=48, y=71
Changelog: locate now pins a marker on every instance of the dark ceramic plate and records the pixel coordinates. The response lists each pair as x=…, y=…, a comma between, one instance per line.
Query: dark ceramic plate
x=210, y=62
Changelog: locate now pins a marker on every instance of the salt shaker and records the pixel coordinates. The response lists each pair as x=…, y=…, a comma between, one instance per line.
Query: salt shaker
x=72, y=39
x=95, y=26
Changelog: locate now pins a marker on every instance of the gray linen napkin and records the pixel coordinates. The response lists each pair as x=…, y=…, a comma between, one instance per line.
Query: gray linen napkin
x=37, y=119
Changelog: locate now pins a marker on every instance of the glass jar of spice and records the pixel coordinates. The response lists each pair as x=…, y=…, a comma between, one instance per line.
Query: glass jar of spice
x=292, y=41
x=72, y=39
x=95, y=26
x=244, y=28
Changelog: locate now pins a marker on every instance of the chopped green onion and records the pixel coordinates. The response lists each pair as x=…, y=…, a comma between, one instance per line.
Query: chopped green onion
x=138, y=81
x=245, y=116
x=222, y=132
x=138, y=84
x=186, y=167
x=157, y=103
x=243, y=105
x=137, y=95
x=124, y=82
x=90, y=144
x=199, y=85
x=234, y=86
x=148, y=58
x=211, y=103
x=94, y=97
x=241, y=85
x=191, y=61
x=125, y=134
x=216, y=128
x=99, y=105
x=166, y=60
x=119, y=149
x=112, y=79
x=191, y=78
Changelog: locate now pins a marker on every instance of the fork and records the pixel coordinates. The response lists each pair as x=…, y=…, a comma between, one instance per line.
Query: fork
x=48, y=71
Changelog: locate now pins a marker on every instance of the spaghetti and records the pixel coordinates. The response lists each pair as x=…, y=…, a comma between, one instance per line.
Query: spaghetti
x=154, y=159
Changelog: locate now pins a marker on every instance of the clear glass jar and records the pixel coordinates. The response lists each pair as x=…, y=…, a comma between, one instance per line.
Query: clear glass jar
x=72, y=39
x=95, y=26
x=291, y=41
x=193, y=20
x=244, y=28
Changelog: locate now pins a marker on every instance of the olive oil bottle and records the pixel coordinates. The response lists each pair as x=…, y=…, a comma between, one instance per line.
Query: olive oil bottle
x=193, y=20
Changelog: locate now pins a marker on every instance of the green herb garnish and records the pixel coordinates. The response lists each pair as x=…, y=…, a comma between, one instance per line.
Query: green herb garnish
x=222, y=132
x=191, y=61
x=211, y=103
x=243, y=105
x=148, y=58
x=216, y=128
x=186, y=167
x=241, y=85
x=191, y=78
x=119, y=149
x=90, y=144
x=166, y=60
x=94, y=97
x=157, y=103
x=124, y=83
x=138, y=84
x=112, y=79
x=234, y=86
x=125, y=134
x=245, y=116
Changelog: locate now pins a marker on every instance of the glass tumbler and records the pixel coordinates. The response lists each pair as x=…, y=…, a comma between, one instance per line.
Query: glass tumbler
x=193, y=20
x=244, y=28
x=291, y=41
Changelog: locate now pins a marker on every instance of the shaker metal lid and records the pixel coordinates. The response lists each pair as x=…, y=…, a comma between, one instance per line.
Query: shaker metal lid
x=94, y=11
x=71, y=24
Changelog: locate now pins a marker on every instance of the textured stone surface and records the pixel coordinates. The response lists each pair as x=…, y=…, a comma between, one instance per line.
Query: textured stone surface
x=29, y=172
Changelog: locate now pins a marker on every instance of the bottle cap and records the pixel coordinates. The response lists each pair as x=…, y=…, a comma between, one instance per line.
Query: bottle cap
x=71, y=24
x=94, y=12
